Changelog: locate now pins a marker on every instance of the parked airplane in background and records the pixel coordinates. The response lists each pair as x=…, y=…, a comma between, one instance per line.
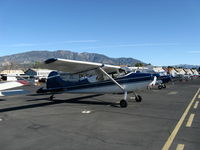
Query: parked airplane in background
x=89, y=77
x=160, y=78
x=195, y=73
x=4, y=86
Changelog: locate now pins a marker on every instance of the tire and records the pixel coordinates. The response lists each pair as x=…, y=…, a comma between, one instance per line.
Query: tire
x=123, y=104
x=51, y=97
x=160, y=87
x=138, y=98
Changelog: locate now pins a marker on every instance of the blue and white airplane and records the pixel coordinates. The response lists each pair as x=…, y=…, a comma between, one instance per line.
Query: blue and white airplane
x=90, y=77
x=160, y=78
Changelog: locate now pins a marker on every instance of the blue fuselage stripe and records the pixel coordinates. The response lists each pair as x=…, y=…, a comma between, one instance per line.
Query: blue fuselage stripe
x=56, y=83
x=108, y=83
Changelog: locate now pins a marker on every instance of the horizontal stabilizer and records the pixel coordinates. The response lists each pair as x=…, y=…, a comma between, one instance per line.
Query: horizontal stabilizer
x=13, y=92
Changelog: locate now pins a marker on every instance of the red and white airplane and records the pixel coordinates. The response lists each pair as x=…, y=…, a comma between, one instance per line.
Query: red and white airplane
x=6, y=86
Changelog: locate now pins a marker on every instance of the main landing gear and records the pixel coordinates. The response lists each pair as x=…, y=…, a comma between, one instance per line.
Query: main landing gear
x=124, y=103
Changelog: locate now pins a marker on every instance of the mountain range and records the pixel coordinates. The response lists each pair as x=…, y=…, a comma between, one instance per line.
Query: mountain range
x=186, y=66
x=28, y=59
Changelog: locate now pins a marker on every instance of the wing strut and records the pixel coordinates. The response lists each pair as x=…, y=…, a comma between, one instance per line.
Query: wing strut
x=123, y=102
x=103, y=71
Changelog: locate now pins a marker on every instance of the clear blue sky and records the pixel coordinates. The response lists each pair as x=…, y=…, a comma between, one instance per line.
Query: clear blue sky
x=160, y=32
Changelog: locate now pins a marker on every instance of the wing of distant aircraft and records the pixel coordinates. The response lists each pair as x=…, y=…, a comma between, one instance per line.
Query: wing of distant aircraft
x=4, y=86
x=109, y=79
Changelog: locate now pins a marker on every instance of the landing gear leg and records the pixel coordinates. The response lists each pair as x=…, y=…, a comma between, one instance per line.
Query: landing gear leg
x=164, y=86
x=123, y=102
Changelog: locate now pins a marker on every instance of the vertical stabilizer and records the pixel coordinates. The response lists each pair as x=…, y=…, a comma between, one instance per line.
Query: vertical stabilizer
x=54, y=80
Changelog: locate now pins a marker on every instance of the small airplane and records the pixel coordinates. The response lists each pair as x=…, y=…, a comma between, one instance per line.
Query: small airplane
x=4, y=86
x=90, y=77
x=160, y=78
x=182, y=75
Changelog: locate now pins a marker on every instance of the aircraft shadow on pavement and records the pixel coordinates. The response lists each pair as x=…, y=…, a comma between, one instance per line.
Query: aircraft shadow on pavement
x=72, y=100
x=2, y=100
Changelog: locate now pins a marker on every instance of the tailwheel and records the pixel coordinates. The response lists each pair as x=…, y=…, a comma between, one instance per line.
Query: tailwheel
x=138, y=98
x=164, y=86
x=123, y=103
x=51, y=97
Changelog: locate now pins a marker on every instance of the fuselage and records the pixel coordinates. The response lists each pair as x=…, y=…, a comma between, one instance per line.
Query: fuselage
x=132, y=81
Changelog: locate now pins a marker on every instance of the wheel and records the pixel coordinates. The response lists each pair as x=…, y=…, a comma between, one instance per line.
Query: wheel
x=164, y=86
x=138, y=98
x=123, y=103
x=160, y=87
x=51, y=97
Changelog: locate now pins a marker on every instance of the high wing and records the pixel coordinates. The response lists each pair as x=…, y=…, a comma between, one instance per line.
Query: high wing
x=75, y=67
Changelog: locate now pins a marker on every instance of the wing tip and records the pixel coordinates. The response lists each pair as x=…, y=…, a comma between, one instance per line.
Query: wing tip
x=23, y=82
x=50, y=60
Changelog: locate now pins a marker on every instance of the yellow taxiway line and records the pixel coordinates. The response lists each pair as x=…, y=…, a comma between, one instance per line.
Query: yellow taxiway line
x=180, y=147
x=196, y=104
x=190, y=120
x=178, y=125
